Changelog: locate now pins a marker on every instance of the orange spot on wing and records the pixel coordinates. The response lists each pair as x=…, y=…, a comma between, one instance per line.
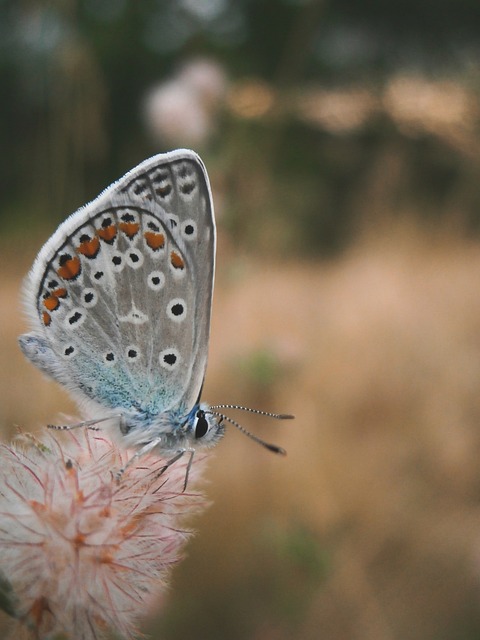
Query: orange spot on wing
x=154, y=240
x=107, y=234
x=47, y=318
x=176, y=260
x=89, y=248
x=163, y=191
x=70, y=269
x=51, y=303
x=130, y=229
x=60, y=293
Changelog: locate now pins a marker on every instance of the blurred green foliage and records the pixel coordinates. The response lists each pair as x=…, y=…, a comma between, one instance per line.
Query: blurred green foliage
x=261, y=369
x=286, y=567
x=8, y=600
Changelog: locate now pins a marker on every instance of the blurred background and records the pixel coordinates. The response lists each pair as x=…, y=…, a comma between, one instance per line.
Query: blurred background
x=342, y=142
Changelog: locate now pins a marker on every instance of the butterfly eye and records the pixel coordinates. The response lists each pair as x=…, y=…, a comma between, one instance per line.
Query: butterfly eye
x=201, y=426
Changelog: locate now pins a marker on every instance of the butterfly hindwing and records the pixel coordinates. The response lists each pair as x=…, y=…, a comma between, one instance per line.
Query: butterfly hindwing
x=121, y=293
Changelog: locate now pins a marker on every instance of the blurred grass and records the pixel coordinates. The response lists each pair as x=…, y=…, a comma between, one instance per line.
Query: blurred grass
x=369, y=528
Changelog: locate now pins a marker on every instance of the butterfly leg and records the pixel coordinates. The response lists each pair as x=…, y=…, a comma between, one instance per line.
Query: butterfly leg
x=189, y=466
x=180, y=453
x=138, y=454
x=90, y=424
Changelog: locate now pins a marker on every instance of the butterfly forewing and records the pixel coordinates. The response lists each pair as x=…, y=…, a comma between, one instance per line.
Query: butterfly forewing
x=123, y=289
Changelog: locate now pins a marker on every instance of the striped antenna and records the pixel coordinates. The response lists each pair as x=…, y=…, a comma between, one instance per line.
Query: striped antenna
x=271, y=447
x=268, y=414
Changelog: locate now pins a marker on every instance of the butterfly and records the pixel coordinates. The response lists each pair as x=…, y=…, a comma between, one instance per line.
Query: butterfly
x=119, y=300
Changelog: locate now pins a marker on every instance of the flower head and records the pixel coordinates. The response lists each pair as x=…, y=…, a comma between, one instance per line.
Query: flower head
x=82, y=552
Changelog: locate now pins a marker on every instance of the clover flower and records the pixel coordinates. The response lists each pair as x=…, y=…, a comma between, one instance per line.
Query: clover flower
x=81, y=552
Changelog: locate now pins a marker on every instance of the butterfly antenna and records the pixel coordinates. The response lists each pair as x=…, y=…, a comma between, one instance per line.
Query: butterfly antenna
x=268, y=414
x=271, y=447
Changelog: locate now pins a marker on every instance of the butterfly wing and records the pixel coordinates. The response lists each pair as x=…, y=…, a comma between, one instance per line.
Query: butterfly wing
x=120, y=296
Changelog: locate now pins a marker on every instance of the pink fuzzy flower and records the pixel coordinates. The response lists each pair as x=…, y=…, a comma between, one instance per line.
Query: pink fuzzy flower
x=84, y=553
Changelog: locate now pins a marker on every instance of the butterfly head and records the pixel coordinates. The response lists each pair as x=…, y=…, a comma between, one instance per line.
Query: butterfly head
x=203, y=427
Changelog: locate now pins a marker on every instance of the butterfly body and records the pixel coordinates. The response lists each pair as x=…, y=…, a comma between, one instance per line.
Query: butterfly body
x=119, y=299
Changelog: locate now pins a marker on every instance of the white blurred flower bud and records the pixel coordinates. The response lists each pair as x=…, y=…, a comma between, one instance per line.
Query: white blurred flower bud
x=183, y=110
